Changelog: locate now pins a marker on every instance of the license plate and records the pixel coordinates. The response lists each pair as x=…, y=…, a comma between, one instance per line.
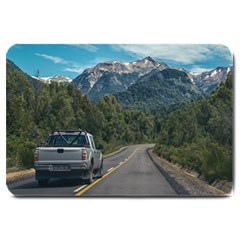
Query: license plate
x=59, y=168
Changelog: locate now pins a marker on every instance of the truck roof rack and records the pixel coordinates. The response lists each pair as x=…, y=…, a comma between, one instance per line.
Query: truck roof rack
x=69, y=131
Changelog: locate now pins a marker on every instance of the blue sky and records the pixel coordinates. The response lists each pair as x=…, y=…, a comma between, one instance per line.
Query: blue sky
x=71, y=59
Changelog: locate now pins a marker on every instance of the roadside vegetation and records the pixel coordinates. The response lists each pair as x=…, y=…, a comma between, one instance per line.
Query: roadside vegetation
x=198, y=135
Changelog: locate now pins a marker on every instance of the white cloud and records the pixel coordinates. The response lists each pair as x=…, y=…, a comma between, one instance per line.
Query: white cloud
x=75, y=69
x=197, y=69
x=222, y=51
x=177, y=53
x=88, y=47
x=71, y=65
x=52, y=58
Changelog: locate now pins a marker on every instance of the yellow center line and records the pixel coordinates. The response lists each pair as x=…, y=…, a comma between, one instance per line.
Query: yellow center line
x=80, y=193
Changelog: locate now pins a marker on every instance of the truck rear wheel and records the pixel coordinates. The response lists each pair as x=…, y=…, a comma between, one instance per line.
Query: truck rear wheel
x=90, y=178
x=100, y=172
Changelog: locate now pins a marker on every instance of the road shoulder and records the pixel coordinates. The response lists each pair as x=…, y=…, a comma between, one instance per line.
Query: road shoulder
x=191, y=184
x=19, y=175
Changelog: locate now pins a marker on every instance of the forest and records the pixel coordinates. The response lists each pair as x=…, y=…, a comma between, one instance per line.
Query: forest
x=32, y=114
x=198, y=135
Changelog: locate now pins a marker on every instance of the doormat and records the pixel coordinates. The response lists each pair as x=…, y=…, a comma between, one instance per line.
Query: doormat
x=119, y=120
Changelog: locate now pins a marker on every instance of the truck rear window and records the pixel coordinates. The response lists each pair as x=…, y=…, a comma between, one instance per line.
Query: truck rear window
x=71, y=140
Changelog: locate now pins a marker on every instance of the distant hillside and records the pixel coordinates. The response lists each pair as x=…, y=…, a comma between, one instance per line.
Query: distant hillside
x=160, y=91
x=11, y=67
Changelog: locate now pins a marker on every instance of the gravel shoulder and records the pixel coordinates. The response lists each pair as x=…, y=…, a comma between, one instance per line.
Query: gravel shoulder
x=189, y=184
x=19, y=175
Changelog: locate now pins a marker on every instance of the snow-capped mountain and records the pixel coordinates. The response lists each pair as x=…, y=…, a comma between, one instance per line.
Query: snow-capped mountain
x=114, y=76
x=56, y=78
x=143, y=83
x=209, y=80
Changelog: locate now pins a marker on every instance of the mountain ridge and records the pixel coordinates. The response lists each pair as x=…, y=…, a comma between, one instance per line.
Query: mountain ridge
x=155, y=82
x=124, y=73
x=207, y=81
x=112, y=77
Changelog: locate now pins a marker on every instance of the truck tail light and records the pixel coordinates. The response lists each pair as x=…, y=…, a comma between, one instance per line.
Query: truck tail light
x=36, y=155
x=84, y=154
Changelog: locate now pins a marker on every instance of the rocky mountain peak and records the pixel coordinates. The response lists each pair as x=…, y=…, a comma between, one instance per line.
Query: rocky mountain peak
x=124, y=73
x=149, y=59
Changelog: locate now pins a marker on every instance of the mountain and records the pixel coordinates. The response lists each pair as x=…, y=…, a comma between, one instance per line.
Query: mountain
x=56, y=78
x=160, y=90
x=11, y=67
x=114, y=76
x=146, y=78
x=209, y=80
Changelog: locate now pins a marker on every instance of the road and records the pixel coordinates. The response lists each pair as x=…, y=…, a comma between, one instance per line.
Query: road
x=129, y=173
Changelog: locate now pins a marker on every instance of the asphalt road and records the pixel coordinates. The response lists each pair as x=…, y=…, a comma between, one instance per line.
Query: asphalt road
x=129, y=173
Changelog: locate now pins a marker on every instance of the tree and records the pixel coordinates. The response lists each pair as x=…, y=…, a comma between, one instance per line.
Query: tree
x=37, y=73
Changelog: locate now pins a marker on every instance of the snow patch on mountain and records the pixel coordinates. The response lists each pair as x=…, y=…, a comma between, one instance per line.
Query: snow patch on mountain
x=195, y=73
x=213, y=73
x=56, y=78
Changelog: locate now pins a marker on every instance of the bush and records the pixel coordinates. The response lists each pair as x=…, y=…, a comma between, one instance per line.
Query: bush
x=26, y=155
x=20, y=153
x=217, y=162
x=213, y=161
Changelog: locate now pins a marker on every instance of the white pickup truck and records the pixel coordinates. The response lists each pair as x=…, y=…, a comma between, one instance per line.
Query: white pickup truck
x=68, y=154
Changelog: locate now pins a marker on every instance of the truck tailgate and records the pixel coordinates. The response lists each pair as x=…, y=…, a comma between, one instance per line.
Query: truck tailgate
x=60, y=154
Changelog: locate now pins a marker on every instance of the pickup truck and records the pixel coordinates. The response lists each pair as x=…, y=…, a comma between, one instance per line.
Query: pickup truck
x=68, y=154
